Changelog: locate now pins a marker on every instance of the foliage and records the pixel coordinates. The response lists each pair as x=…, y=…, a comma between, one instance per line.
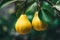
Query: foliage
x=49, y=13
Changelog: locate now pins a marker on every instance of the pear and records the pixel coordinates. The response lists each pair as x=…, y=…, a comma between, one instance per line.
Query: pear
x=23, y=25
x=37, y=24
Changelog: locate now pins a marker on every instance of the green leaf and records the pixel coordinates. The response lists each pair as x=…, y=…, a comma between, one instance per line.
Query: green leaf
x=57, y=7
x=58, y=2
x=31, y=10
x=3, y=2
x=48, y=7
x=54, y=1
x=45, y=16
x=7, y=3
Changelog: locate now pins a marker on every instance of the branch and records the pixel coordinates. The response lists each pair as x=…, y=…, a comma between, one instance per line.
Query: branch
x=52, y=5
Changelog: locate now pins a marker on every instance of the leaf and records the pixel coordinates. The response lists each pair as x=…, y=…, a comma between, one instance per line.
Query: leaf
x=48, y=7
x=7, y=3
x=31, y=10
x=54, y=1
x=45, y=16
x=57, y=7
x=58, y=2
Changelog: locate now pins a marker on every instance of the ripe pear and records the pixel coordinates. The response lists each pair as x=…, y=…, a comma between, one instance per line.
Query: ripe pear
x=23, y=25
x=37, y=24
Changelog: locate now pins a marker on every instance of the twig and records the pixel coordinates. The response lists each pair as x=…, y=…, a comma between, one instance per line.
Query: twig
x=52, y=5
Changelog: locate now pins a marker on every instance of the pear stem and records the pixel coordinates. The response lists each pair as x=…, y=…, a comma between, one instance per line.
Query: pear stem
x=17, y=10
x=38, y=4
x=25, y=6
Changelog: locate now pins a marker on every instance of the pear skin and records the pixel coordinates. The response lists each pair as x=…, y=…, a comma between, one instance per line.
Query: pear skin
x=37, y=24
x=23, y=25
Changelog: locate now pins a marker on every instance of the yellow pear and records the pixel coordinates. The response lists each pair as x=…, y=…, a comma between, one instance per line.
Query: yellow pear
x=23, y=25
x=37, y=24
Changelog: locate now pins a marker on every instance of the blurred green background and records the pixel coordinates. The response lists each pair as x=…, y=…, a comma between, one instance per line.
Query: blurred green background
x=10, y=10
